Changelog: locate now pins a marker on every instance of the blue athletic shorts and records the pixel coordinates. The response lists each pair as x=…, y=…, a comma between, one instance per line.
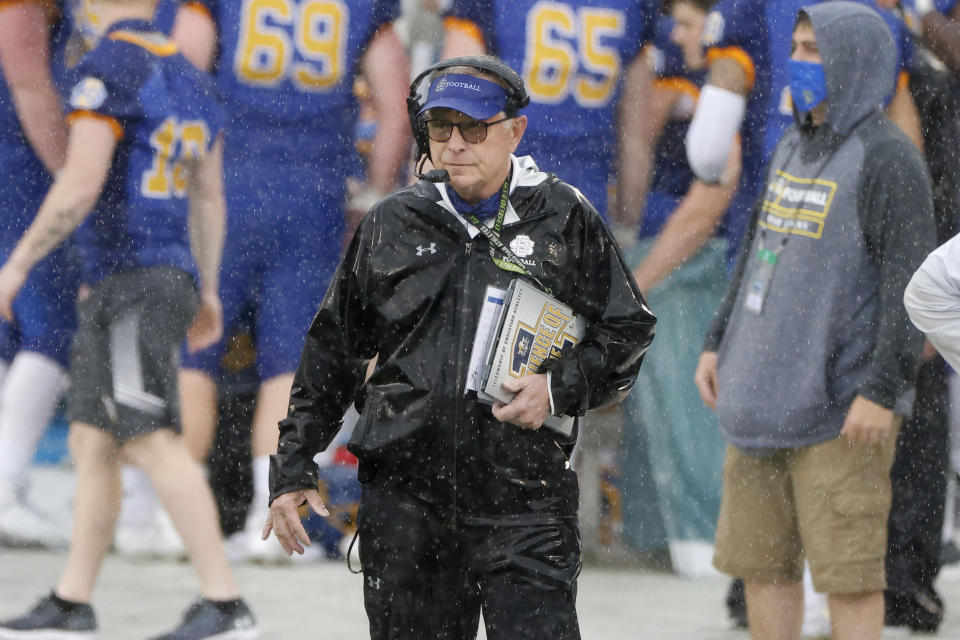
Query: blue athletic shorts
x=45, y=306
x=283, y=245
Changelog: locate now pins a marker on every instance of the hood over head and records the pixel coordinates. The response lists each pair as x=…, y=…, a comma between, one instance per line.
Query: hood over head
x=859, y=60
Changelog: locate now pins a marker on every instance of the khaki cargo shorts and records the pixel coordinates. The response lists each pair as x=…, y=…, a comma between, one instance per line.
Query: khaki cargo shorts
x=827, y=502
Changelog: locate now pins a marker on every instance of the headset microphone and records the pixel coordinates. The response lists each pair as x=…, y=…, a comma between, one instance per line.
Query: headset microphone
x=435, y=176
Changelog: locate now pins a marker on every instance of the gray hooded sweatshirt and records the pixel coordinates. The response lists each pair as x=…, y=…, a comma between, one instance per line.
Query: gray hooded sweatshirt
x=847, y=210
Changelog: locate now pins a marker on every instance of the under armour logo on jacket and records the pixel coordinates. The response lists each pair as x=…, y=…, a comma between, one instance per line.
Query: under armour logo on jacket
x=374, y=583
x=431, y=249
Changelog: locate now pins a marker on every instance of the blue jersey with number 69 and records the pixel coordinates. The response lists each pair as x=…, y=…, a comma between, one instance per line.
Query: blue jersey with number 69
x=572, y=56
x=163, y=113
x=286, y=69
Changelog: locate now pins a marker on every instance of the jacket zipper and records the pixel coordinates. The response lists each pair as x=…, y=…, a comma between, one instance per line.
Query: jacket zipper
x=459, y=405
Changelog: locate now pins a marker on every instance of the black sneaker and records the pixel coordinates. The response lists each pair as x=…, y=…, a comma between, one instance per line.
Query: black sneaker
x=52, y=619
x=206, y=619
x=921, y=612
x=737, y=605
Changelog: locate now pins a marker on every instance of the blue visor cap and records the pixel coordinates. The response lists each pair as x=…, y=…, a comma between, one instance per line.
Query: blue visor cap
x=478, y=98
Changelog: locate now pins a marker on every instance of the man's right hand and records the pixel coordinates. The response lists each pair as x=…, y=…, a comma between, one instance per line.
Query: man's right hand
x=706, y=378
x=284, y=519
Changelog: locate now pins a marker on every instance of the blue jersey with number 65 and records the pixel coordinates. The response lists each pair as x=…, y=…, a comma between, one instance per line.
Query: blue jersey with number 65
x=572, y=56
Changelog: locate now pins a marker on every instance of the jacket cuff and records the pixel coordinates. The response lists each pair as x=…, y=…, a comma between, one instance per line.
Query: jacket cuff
x=712, y=341
x=878, y=393
x=287, y=476
x=569, y=395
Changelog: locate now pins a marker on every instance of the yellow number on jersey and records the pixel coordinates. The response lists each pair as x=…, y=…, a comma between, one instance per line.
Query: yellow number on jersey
x=156, y=180
x=319, y=38
x=173, y=145
x=275, y=32
x=549, y=60
x=560, y=42
x=598, y=58
x=194, y=139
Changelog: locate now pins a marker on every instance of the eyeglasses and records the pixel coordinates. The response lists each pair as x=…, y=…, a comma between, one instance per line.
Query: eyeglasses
x=472, y=131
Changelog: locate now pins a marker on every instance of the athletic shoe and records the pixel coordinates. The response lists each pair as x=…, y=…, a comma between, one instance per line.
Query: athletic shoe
x=23, y=524
x=737, y=605
x=204, y=619
x=922, y=612
x=156, y=539
x=50, y=620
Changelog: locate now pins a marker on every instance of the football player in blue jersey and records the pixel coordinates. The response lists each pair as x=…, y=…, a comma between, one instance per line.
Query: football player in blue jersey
x=143, y=181
x=679, y=255
x=286, y=72
x=33, y=345
x=588, y=82
x=585, y=71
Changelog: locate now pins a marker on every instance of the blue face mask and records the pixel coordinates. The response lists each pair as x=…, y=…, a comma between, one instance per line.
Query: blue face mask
x=808, y=84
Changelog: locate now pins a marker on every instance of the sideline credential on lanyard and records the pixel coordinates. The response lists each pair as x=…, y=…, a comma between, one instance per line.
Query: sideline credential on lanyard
x=762, y=276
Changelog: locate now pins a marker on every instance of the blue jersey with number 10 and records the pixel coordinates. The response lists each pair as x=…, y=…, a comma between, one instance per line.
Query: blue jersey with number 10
x=572, y=56
x=163, y=112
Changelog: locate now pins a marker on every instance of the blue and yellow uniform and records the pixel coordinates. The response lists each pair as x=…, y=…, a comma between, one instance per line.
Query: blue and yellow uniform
x=671, y=486
x=758, y=34
x=737, y=30
x=286, y=70
x=572, y=56
x=44, y=307
x=672, y=175
x=163, y=112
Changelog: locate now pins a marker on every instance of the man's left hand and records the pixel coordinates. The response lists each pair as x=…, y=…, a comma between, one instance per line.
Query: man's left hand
x=531, y=404
x=867, y=422
x=12, y=278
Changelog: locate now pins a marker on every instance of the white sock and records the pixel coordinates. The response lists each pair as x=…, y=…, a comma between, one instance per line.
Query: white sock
x=32, y=387
x=261, y=482
x=139, y=499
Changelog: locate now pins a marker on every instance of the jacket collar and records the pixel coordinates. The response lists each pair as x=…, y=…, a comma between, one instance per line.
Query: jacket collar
x=525, y=174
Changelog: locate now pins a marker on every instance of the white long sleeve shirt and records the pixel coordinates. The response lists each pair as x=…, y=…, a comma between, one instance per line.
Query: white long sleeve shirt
x=932, y=300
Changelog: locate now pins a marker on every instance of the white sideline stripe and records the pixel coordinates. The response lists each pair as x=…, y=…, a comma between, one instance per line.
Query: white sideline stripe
x=125, y=367
x=125, y=353
x=141, y=400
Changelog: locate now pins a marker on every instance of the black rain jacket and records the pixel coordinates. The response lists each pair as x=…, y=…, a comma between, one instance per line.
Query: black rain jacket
x=409, y=291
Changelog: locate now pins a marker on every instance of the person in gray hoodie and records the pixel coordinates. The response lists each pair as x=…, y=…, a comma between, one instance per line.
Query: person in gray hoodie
x=811, y=360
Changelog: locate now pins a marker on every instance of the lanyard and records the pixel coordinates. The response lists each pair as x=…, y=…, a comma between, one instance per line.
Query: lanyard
x=512, y=262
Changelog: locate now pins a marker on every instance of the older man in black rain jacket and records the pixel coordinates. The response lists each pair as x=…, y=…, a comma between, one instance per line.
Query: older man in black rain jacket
x=463, y=506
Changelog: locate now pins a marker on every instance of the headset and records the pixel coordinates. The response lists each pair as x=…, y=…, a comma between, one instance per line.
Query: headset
x=517, y=99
